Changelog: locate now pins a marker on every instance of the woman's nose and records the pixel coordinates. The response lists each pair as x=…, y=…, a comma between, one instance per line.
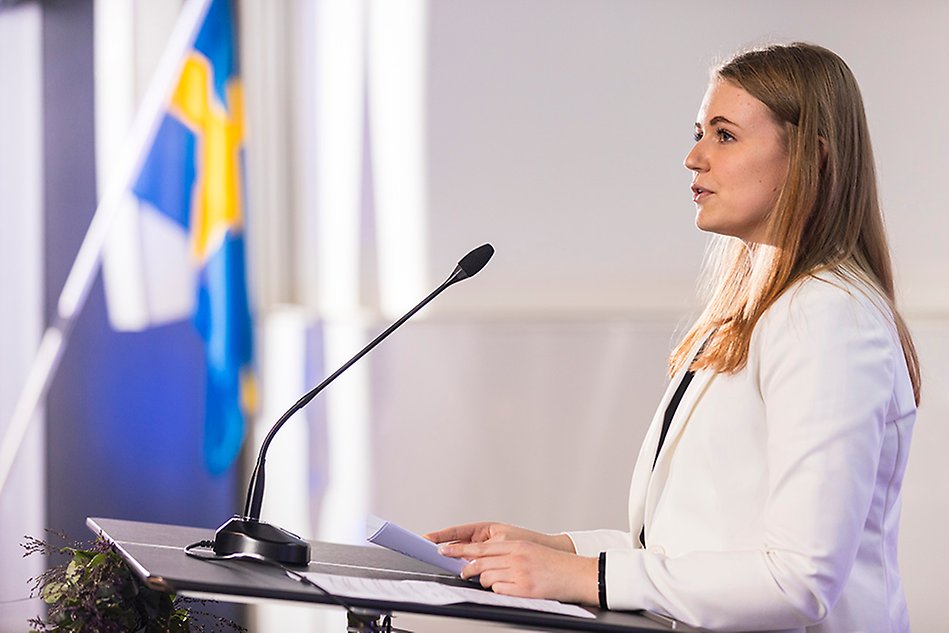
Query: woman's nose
x=695, y=160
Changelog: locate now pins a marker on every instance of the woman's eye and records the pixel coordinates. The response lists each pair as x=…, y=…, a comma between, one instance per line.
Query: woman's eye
x=724, y=135
x=697, y=136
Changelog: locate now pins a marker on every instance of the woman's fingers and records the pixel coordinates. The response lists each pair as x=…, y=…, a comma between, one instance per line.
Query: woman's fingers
x=493, y=577
x=505, y=589
x=521, y=568
x=491, y=567
x=472, y=551
x=507, y=568
x=469, y=532
x=440, y=536
x=488, y=531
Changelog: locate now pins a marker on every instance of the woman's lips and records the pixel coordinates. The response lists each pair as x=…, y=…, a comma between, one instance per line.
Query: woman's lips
x=700, y=193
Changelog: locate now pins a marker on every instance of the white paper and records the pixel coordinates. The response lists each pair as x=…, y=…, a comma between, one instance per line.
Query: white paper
x=427, y=592
x=398, y=539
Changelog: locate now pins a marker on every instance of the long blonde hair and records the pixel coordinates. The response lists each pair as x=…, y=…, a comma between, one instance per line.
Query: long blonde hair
x=827, y=215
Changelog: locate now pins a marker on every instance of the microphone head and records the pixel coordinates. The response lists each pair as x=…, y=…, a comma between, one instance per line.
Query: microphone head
x=473, y=262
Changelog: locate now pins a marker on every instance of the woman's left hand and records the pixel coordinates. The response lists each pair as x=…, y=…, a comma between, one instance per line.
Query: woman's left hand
x=529, y=570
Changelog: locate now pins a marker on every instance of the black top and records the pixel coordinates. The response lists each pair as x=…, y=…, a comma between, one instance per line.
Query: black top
x=666, y=423
x=671, y=411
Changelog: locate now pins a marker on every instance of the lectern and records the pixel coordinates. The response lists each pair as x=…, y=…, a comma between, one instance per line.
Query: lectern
x=155, y=553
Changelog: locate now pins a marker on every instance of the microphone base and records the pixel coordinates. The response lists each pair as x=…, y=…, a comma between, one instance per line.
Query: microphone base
x=246, y=536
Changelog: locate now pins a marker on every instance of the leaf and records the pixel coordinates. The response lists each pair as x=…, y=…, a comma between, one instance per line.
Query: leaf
x=179, y=625
x=52, y=592
x=83, y=556
x=99, y=559
x=74, y=570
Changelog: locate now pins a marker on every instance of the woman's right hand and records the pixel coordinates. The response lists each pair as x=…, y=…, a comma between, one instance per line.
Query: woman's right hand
x=487, y=531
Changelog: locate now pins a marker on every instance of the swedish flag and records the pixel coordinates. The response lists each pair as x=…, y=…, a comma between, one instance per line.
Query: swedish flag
x=192, y=178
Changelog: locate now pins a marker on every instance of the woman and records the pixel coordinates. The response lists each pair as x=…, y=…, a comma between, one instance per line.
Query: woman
x=766, y=495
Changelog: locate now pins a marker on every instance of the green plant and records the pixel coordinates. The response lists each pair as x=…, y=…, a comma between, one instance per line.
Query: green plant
x=96, y=591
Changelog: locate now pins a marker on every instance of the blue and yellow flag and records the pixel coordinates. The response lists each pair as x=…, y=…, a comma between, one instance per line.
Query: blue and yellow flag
x=191, y=187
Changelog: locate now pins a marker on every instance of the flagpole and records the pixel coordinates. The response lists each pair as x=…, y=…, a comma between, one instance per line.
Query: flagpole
x=86, y=265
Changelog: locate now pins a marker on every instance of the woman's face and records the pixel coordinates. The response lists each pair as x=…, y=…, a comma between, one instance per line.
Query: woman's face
x=739, y=163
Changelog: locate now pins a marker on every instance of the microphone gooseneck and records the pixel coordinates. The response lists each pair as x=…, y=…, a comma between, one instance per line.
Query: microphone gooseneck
x=246, y=533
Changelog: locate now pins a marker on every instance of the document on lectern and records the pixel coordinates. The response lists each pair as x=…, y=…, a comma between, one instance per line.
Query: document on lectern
x=427, y=592
x=391, y=536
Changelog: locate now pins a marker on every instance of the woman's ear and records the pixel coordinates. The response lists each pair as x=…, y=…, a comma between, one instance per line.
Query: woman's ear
x=824, y=149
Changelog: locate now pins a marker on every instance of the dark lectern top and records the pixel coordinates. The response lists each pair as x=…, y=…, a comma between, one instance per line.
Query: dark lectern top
x=155, y=553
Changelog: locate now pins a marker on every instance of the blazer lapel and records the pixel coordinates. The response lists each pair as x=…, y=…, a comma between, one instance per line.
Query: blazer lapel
x=642, y=472
x=660, y=473
x=683, y=412
x=641, y=487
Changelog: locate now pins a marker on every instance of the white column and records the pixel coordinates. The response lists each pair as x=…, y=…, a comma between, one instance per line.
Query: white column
x=268, y=74
x=282, y=364
x=271, y=70
x=22, y=500
x=330, y=251
x=397, y=78
x=338, y=137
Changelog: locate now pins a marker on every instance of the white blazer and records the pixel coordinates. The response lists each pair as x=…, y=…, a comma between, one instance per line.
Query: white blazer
x=775, y=501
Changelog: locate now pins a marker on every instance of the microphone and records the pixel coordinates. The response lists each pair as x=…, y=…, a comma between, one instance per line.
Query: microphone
x=247, y=534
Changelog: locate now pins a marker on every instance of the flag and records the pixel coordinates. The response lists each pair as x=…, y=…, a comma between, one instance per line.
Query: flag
x=185, y=258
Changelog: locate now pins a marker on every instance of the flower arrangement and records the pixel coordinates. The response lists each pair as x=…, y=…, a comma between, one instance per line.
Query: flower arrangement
x=96, y=591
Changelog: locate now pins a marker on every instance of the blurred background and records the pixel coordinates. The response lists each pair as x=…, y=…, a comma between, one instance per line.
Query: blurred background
x=383, y=140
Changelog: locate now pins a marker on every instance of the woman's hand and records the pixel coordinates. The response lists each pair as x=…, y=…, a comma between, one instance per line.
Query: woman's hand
x=527, y=569
x=515, y=561
x=484, y=532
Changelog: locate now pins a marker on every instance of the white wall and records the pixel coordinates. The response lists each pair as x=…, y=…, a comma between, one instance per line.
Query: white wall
x=558, y=129
x=22, y=501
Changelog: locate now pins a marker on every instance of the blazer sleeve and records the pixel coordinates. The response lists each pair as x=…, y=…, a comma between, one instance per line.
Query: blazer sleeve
x=824, y=362
x=592, y=542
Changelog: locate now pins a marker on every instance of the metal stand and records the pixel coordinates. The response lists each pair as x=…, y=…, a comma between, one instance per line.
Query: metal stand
x=368, y=621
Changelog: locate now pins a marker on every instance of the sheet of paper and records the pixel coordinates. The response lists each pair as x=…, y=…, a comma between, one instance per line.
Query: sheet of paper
x=390, y=535
x=427, y=592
